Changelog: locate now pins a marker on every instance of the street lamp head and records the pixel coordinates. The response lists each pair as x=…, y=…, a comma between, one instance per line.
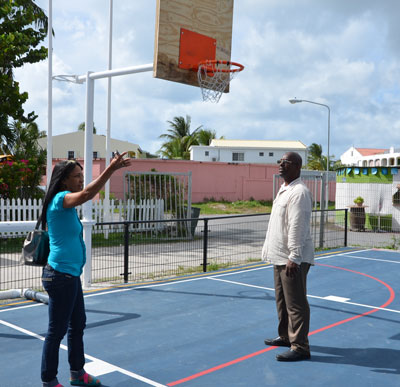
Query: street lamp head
x=295, y=100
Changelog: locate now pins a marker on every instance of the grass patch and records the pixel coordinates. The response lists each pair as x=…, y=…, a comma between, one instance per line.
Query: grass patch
x=394, y=245
x=11, y=244
x=213, y=207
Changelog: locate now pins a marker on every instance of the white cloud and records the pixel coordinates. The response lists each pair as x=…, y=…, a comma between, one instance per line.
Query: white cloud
x=341, y=53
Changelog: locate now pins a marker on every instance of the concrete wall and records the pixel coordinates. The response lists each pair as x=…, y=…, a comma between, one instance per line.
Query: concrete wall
x=227, y=181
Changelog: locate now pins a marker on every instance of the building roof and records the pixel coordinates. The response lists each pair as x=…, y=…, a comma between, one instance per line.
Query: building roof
x=258, y=144
x=78, y=137
x=370, y=151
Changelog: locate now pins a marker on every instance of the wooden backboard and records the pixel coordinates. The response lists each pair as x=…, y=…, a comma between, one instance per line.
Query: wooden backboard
x=207, y=20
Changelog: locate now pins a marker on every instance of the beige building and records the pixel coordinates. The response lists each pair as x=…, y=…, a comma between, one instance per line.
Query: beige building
x=72, y=146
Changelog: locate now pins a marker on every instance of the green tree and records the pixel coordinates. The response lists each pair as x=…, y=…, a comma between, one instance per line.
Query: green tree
x=81, y=128
x=179, y=139
x=21, y=177
x=337, y=164
x=23, y=26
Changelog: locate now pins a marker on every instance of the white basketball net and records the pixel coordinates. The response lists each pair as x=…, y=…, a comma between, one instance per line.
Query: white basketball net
x=212, y=80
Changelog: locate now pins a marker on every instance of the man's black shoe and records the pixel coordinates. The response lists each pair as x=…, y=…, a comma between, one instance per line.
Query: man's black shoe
x=292, y=355
x=279, y=342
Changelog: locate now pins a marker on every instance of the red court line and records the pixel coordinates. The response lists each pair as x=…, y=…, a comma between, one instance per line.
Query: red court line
x=240, y=359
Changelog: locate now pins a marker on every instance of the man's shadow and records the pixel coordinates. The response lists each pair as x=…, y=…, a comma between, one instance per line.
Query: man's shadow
x=383, y=360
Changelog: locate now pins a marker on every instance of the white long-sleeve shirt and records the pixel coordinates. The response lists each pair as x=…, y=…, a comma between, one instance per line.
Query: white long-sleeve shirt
x=288, y=235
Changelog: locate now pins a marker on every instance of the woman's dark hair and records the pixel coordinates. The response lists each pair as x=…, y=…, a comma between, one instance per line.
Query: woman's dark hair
x=60, y=171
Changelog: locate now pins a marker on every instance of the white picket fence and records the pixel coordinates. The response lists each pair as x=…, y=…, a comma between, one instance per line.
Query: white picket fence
x=17, y=210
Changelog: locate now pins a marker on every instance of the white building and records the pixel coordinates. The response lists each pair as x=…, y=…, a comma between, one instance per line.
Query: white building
x=247, y=151
x=72, y=146
x=371, y=157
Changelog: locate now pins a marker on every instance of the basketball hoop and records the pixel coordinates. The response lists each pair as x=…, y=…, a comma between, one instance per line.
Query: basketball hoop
x=214, y=76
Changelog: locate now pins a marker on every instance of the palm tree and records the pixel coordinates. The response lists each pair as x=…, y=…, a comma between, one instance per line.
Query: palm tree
x=204, y=136
x=81, y=127
x=316, y=160
x=7, y=137
x=171, y=150
x=26, y=140
x=179, y=139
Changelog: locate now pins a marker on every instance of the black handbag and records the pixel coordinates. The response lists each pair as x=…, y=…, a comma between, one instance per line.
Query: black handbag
x=36, y=248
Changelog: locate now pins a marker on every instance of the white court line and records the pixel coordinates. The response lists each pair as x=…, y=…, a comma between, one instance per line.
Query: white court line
x=241, y=271
x=308, y=295
x=142, y=287
x=98, y=367
x=374, y=259
x=175, y=282
x=182, y=281
x=340, y=254
x=100, y=293
x=22, y=307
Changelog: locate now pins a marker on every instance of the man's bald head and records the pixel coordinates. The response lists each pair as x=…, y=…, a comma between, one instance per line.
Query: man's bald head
x=295, y=158
x=290, y=166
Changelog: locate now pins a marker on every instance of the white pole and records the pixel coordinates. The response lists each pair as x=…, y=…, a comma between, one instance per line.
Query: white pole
x=116, y=72
x=108, y=118
x=327, y=160
x=87, y=220
x=49, y=166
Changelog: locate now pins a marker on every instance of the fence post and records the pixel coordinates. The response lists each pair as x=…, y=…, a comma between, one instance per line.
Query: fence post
x=126, y=251
x=205, y=244
x=345, y=226
x=322, y=209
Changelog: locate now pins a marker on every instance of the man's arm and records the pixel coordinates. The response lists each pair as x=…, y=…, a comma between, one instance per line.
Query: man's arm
x=299, y=215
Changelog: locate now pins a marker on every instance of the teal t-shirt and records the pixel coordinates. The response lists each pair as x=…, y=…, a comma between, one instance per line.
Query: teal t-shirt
x=67, y=249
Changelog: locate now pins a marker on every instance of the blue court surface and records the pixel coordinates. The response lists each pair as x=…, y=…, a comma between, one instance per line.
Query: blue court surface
x=209, y=329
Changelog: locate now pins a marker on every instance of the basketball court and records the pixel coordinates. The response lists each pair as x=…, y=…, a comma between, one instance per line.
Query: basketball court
x=209, y=329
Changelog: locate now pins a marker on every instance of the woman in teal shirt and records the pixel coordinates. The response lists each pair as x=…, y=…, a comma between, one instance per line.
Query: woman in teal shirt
x=61, y=275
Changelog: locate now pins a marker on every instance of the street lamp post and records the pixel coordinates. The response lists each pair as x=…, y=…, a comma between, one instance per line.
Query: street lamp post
x=292, y=101
x=322, y=222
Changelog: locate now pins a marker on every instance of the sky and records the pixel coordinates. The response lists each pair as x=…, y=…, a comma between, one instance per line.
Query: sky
x=341, y=53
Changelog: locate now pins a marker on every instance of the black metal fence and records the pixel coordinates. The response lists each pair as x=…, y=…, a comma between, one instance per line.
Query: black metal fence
x=142, y=251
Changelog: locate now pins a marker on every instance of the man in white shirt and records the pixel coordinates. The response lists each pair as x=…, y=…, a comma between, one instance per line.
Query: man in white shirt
x=289, y=247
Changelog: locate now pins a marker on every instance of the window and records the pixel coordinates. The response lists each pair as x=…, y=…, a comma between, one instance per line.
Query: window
x=236, y=156
x=206, y=153
x=271, y=154
x=261, y=154
x=95, y=155
x=71, y=155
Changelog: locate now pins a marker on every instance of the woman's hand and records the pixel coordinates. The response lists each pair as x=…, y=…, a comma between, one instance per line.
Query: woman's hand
x=74, y=199
x=119, y=162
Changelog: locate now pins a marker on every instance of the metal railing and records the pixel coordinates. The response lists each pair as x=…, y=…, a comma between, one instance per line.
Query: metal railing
x=124, y=252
